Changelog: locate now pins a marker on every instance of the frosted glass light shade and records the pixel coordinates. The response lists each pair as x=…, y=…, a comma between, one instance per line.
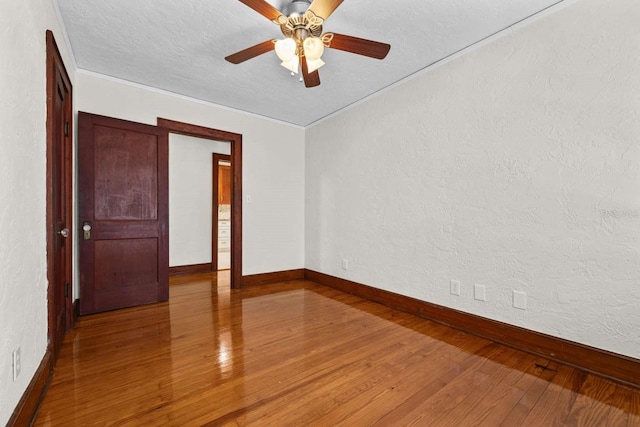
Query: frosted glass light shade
x=313, y=65
x=313, y=48
x=286, y=49
x=292, y=64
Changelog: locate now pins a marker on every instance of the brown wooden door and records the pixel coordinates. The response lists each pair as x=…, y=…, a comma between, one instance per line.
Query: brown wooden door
x=59, y=200
x=224, y=184
x=123, y=205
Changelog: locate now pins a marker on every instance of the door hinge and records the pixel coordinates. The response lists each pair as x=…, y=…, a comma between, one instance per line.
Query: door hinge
x=67, y=290
x=66, y=129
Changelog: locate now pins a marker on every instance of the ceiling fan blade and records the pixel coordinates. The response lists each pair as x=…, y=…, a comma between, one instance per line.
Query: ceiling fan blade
x=251, y=52
x=357, y=45
x=264, y=9
x=310, y=79
x=324, y=8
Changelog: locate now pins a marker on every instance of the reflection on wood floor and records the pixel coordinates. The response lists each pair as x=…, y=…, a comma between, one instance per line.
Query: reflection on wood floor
x=297, y=354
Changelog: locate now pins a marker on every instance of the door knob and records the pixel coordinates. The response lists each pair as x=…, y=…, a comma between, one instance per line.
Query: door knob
x=86, y=230
x=64, y=232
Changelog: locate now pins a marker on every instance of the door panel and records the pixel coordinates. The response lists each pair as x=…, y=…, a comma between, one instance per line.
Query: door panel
x=123, y=198
x=60, y=212
x=224, y=184
x=126, y=185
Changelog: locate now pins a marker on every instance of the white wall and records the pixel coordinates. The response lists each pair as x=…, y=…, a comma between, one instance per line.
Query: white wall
x=190, y=198
x=273, y=163
x=23, y=275
x=515, y=166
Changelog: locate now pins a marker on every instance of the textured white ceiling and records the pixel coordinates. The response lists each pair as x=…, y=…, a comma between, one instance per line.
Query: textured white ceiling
x=180, y=46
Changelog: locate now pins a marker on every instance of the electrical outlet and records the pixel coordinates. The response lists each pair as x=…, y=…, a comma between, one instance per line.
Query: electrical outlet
x=454, y=287
x=520, y=300
x=479, y=292
x=17, y=363
x=345, y=264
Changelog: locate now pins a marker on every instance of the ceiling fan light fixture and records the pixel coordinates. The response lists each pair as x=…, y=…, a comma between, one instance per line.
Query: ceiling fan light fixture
x=313, y=48
x=301, y=24
x=286, y=49
x=314, y=64
x=292, y=64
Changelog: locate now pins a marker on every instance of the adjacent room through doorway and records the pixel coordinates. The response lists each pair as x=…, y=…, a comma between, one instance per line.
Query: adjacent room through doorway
x=195, y=207
x=221, y=220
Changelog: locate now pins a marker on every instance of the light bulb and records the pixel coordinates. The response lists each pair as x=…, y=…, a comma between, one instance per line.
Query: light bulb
x=313, y=65
x=286, y=49
x=292, y=64
x=313, y=48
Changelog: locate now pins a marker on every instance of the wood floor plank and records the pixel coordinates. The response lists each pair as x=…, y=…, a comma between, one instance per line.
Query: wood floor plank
x=287, y=372
x=305, y=396
x=315, y=399
x=498, y=401
x=632, y=406
x=553, y=407
x=336, y=402
x=546, y=371
x=407, y=393
x=296, y=353
x=593, y=405
x=453, y=402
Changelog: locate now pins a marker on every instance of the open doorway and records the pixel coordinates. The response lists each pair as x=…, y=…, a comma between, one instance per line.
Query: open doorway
x=221, y=219
x=234, y=140
x=194, y=202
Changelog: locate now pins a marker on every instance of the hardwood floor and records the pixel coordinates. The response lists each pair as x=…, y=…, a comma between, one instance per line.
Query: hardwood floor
x=297, y=354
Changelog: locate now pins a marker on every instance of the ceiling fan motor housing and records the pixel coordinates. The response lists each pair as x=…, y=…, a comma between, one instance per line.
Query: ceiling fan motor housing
x=300, y=22
x=296, y=8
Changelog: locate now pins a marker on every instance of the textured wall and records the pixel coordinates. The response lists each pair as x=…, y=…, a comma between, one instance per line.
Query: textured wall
x=23, y=272
x=273, y=163
x=515, y=166
x=190, y=192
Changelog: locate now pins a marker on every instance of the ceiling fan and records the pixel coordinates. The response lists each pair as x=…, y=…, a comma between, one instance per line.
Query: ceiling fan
x=304, y=42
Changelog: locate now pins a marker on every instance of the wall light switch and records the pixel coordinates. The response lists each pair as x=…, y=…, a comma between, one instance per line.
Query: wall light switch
x=16, y=363
x=345, y=264
x=520, y=300
x=479, y=292
x=454, y=287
